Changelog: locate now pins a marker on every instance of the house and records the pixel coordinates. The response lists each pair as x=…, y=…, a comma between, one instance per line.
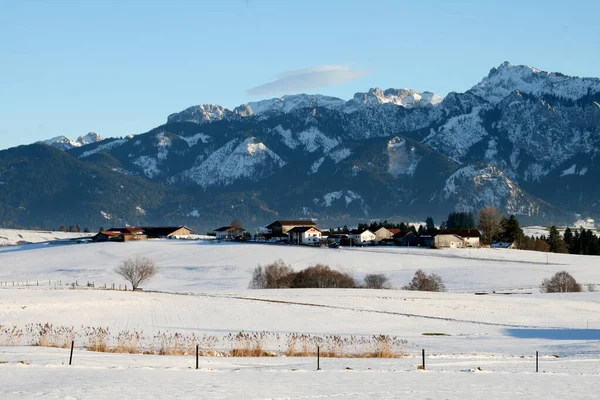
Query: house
x=385, y=233
x=229, y=232
x=448, y=240
x=409, y=239
x=471, y=237
x=121, y=235
x=161, y=232
x=361, y=237
x=130, y=233
x=305, y=235
x=337, y=238
x=280, y=229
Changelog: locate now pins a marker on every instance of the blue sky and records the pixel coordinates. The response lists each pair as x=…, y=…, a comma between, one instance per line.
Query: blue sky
x=120, y=67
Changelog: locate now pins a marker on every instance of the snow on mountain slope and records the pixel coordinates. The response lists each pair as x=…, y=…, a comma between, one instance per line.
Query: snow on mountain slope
x=200, y=114
x=289, y=103
x=104, y=147
x=508, y=78
x=238, y=159
x=458, y=134
x=474, y=188
x=313, y=140
x=402, y=159
x=346, y=197
x=64, y=143
x=407, y=98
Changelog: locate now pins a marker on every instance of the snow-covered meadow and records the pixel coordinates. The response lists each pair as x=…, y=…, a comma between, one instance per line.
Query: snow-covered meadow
x=201, y=290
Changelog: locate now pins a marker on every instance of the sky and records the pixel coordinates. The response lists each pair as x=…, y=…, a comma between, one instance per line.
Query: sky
x=121, y=67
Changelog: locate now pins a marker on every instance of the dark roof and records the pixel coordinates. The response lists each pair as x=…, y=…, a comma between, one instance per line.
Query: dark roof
x=229, y=228
x=301, y=229
x=128, y=230
x=161, y=231
x=358, y=231
x=338, y=235
x=306, y=222
x=465, y=233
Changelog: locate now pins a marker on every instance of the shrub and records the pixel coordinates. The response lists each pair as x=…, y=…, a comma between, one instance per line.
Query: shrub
x=137, y=271
x=321, y=276
x=277, y=275
x=561, y=282
x=377, y=281
x=426, y=283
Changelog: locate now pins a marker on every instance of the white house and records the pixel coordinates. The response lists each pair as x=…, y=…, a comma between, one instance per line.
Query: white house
x=305, y=235
x=385, y=233
x=448, y=240
x=358, y=237
x=468, y=237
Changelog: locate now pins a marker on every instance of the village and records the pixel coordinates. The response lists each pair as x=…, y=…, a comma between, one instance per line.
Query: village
x=306, y=233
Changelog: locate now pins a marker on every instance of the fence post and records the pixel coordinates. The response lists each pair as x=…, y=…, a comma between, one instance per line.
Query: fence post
x=318, y=358
x=71, y=356
x=423, y=355
x=197, y=346
x=536, y=362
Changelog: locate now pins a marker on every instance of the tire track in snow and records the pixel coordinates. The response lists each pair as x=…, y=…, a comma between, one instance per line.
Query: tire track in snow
x=396, y=313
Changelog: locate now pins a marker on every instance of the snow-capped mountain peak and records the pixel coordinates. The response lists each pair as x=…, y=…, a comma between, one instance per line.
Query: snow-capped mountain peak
x=199, y=114
x=508, y=78
x=64, y=143
x=289, y=103
x=408, y=98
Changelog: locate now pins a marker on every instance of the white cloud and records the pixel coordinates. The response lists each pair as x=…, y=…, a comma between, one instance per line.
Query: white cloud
x=309, y=78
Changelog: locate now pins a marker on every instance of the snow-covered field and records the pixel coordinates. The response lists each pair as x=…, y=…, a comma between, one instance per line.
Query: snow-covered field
x=201, y=290
x=10, y=237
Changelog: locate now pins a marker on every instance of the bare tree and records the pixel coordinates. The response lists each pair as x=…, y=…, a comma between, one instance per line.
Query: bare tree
x=489, y=224
x=561, y=282
x=426, y=283
x=137, y=271
x=377, y=281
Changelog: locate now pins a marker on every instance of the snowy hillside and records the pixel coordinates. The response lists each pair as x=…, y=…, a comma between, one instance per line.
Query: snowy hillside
x=10, y=237
x=199, y=297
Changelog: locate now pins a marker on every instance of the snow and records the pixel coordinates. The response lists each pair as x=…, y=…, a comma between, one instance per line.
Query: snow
x=199, y=114
x=103, y=147
x=288, y=138
x=162, y=146
x=290, y=103
x=402, y=160
x=149, y=166
x=458, y=134
x=9, y=237
x=109, y=376
x=487, y=348
x=340, y=154
x=314, y=168
x=406, y=98
x=238, y=159
x=194, y=139
x=569, y=171
x=64, y=143
x=313, y=139
x=105, y=215
x=508, y=78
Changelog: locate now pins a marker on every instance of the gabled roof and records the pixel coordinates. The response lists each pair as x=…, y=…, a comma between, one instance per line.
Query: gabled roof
x=306, y=222
x=302, y=229
x=393, y=231
x=465, y=233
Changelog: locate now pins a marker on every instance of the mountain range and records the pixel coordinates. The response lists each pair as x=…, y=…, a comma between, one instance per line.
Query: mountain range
x=522, y=139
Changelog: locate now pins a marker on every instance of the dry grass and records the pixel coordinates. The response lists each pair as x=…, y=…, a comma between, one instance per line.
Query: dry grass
x=242, y=344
